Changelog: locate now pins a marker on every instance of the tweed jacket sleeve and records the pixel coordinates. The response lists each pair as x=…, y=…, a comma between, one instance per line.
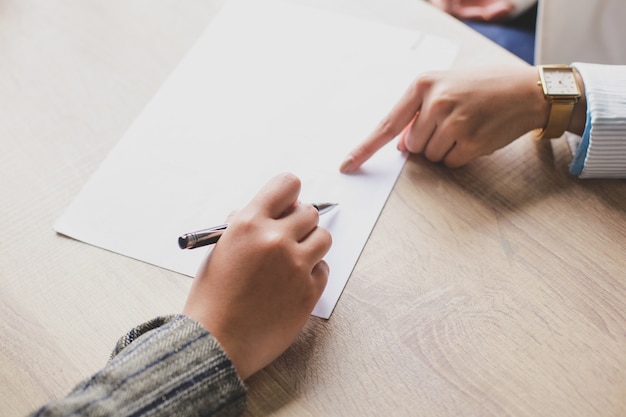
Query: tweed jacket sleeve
x=169, y=366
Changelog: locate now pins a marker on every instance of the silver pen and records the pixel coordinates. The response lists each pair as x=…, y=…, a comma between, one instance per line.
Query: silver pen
x=211, y=235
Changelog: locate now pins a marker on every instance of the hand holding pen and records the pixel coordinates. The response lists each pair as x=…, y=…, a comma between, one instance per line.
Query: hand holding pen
x=258, y=286
x=211, y=235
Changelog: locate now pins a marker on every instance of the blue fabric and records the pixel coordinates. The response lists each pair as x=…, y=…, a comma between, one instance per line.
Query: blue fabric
x=520, y=42
x=516, y=35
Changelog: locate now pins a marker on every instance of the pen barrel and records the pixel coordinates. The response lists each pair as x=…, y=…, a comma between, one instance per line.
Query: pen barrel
x=202, y=237
x=210, y=236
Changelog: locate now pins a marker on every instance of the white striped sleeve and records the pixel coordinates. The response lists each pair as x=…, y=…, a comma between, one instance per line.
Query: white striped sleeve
x=602, y=150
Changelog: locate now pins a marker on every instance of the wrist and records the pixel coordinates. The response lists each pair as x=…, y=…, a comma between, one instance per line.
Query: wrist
x=226, y=341
x=538, y=107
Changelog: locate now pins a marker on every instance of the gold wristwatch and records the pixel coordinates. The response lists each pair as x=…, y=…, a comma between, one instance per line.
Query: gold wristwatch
x=561, y=90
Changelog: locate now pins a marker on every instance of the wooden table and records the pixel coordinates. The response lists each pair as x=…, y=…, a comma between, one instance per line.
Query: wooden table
x=498, y=289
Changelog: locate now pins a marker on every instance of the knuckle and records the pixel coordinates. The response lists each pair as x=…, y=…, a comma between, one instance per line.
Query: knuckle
x=413, y=146
x=431, y=155
x=327, y=238
x=425, y=81
x=311, y=212
x=443, y=104
x=275, y=242
x=300, y=264
x=246, y=221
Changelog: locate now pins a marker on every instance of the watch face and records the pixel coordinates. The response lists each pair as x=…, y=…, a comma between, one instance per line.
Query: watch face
x=559, y=81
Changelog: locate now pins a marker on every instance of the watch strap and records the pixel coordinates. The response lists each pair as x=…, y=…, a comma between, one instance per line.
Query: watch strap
x=558, y=120
x=561, y=106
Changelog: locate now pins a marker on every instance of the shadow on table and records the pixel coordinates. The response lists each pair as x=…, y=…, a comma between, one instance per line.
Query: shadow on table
x=515, y=177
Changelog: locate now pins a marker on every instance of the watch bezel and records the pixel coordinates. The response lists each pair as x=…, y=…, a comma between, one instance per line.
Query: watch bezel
x=560, y=68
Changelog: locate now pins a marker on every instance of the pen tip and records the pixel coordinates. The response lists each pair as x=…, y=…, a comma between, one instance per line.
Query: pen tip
x=182, y=242
x=325, y=207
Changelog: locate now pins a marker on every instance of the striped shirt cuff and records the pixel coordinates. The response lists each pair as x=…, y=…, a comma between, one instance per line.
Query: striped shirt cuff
x=602, y=150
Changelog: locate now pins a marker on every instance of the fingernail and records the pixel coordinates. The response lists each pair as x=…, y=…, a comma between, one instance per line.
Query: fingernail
x=347, y=164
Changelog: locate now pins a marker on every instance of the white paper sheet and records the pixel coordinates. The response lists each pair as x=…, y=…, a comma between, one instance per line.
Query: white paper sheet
x=270, y=87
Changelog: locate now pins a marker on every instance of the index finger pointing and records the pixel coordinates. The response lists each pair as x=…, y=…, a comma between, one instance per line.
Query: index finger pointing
x=390, y=127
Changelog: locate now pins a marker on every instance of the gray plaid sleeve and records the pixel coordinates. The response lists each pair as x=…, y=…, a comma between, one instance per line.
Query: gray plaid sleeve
x=169, y=366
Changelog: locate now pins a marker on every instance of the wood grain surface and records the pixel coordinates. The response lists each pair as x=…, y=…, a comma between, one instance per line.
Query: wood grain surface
x=498, y=289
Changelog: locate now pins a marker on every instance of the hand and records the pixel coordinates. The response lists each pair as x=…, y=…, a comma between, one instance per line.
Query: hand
x=483, y=10
x=456, y=116
x=260, y=282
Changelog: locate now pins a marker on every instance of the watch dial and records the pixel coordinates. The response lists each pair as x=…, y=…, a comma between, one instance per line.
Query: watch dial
x=560, y=82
